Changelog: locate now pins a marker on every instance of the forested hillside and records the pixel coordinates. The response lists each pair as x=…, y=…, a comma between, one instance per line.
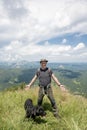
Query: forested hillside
x=74, y=79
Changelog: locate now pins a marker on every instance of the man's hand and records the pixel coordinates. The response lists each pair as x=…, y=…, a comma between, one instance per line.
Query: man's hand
x=62, y=87
x=27, y=87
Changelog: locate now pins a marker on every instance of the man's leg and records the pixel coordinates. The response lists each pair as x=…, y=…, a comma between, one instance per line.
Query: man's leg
x=52, y=100
x=40, y=96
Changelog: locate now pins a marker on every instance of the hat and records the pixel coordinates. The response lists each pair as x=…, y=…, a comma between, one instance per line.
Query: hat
x=43, y=60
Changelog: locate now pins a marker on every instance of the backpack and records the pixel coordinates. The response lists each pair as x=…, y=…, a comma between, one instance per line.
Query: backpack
x=49, y=71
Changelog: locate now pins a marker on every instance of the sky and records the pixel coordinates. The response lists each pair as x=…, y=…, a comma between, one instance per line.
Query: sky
x=34, y=29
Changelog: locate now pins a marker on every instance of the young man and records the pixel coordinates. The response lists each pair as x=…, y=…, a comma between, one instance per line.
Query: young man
x=44, y=74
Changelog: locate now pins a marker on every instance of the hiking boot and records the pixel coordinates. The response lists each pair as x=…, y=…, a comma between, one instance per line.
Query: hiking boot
x=55, y=112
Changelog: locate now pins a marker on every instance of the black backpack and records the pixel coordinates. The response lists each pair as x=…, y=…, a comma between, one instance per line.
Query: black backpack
x=48, y=69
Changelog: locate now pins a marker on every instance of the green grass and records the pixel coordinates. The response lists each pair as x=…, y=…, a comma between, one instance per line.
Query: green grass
x=72, y=109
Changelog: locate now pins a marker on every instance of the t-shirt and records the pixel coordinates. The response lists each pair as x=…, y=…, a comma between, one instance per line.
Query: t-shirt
x=44, y=76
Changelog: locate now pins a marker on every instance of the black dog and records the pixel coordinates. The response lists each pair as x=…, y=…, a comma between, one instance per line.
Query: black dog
x=33, y=111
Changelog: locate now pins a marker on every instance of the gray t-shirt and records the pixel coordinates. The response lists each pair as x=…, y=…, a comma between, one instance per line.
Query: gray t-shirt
x=44, y=76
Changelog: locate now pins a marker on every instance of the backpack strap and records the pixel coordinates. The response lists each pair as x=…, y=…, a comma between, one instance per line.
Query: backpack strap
x=38, y=71
x=49, y=71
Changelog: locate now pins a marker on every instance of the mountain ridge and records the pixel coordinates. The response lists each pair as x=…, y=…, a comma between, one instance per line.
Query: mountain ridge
x=72, y=109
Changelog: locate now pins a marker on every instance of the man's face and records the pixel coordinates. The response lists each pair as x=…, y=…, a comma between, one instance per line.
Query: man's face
x=43, y=64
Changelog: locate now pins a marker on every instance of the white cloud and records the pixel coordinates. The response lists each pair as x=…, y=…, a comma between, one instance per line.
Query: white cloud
x=25, y=23
x=43, y=19
x=84, y=54
x=62, y=53
x=79, y=46
x=64, y=40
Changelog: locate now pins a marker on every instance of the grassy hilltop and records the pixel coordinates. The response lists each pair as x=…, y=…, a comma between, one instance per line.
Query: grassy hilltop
x=72, y=109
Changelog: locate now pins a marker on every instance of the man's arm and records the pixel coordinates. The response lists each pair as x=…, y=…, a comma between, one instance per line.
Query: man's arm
x=58, y=83
x=32, y=81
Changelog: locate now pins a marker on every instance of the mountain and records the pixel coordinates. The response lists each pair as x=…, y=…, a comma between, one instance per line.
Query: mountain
x=19, y=64
x=35, y=64
x=72, y=75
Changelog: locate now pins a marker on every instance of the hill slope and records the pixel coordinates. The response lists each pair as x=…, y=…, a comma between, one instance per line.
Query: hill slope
x=74, y=79
x=72, y=109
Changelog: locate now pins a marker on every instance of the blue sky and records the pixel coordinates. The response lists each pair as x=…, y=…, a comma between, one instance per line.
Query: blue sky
x=35, y=29
x=71, y=39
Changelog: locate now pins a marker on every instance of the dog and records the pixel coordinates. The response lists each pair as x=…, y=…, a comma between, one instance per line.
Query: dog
x=33, y=111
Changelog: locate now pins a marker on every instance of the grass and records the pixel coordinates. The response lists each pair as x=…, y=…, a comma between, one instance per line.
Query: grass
x=72, y=109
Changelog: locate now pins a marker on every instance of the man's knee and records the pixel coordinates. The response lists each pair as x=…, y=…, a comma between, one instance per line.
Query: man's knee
x=52, y=100
x=40, y=99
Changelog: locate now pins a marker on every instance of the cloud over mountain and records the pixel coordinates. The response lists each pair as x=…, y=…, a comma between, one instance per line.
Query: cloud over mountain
x=28, y=27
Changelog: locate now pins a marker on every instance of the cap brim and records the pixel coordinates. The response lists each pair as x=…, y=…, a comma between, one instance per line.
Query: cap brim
x=44, y=61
